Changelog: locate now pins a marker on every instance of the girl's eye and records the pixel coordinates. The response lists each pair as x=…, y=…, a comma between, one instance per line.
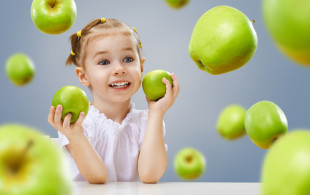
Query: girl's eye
x=128, y=59
x=104, y=62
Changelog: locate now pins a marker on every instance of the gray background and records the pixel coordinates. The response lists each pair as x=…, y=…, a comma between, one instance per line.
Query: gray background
x=165, y=34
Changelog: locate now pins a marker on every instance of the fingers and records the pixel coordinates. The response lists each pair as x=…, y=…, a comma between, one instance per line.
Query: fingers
x=168, y=88
x=66, y=123
x=51, y=114
x=80, y=119
x=176, y=86
x=147, y=99
x=57, y=117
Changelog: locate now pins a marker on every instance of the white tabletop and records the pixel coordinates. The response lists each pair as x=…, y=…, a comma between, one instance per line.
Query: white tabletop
x=167, y=188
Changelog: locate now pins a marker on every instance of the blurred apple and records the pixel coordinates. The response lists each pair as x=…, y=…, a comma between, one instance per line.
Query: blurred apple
x=189, y=164
x=288, y=22
x=264, y=123
x=20, y=69
x=31, y=164
x=223, y=40
x=53, y=17
x=153, y=86
x=73, y=100
x=286, y=167
x=230, y=124
x=177, y=4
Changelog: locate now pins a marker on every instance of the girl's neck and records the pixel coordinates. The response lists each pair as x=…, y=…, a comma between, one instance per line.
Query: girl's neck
x=116, y=111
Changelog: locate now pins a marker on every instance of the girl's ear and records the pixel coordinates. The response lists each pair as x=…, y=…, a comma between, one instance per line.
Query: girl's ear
x=142, y=60
x=80, y=73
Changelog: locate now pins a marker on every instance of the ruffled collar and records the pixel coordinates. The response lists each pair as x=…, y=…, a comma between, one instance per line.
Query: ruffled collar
x=110, y=121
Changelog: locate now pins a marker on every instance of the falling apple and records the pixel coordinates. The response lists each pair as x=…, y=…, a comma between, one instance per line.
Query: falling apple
x=223, y=40
x=177, y=4
x=189, y=164
x=264, y=123
x=288, y=22
x=230, y=124
x=73, y=100
x=20, y=69
x=31, y=164
x=153, y=86
x=286, y=167
x=52, y=16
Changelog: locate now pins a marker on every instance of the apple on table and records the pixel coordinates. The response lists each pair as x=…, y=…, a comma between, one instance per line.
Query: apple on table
x=31, y=164
x=20, y=69
x=73, y=100
x=52, y=16
x=153, y=86
x=223, y=40
x=189, y=163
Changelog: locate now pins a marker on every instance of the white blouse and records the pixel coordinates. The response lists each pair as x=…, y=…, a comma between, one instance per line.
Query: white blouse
x=117, y=144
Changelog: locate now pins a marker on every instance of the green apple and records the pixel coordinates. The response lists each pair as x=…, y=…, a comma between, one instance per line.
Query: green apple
x=223, y=40
x=230, y=124
x=53, y=16
x=31, y=164
x=177, y=4
x=73, y=100
x=20, y=69
x=264, y=123
x=288, y=22
x=286, y=167
x=189, y=164
x=153, y=86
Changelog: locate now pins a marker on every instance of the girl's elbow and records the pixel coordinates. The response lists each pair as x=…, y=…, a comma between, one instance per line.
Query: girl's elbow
x=99, y=180
x=149, y=178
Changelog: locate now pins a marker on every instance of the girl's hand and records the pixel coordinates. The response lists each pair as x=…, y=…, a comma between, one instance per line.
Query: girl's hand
x=163, y=104
x=64, y=127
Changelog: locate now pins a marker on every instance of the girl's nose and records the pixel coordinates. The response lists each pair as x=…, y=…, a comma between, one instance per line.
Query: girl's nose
x=119, y=69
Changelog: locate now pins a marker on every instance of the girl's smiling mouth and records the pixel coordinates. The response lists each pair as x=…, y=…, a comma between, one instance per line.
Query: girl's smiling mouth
x=119, y=84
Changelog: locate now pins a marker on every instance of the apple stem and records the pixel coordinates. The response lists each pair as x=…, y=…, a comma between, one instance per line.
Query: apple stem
x=253, y=21
x=52, y=6
x=20, y=158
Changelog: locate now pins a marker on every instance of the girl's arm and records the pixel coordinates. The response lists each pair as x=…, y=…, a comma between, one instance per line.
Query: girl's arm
x=152, y=160
x=89, y=163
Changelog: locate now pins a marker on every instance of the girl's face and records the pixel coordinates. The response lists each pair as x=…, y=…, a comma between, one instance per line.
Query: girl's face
x=113, y=68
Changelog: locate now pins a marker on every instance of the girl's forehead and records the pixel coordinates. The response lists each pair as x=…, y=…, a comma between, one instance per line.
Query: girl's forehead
x=109, y=41
x=116, y=35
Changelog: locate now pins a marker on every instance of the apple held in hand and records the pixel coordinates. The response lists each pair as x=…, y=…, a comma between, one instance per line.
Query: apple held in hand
x=223, y=40
x=31, y=163
x=189, y=164
x=20, y=69
x=177, y=4
x=53, y=16
x=288, y=22
x=264, y=122
x=286, y=167
x=153, y=86
x=230, y=124
x=73, y=100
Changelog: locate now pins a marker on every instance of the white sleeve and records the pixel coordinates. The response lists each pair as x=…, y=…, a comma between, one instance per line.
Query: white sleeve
x=63, y=142
x=143, y=124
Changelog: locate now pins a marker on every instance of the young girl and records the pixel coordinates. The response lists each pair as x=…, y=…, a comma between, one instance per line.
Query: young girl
x=115, y=142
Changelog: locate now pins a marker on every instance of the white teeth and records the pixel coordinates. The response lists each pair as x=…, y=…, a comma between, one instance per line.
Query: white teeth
x=119, y=85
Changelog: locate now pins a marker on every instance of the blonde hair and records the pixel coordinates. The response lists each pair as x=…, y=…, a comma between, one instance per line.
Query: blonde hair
x=80, y=40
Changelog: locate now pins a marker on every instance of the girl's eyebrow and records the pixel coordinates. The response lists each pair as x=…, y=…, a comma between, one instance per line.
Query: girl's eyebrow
x=128, y=49
x=100, y=52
